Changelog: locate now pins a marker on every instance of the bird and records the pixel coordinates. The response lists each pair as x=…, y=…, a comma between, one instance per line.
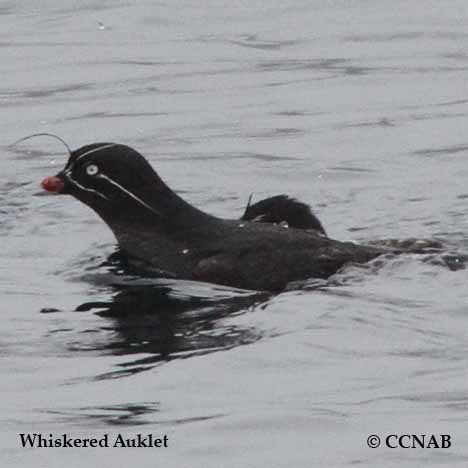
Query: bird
x=163, y=234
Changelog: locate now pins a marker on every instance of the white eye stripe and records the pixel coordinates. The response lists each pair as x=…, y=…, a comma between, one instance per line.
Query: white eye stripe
x=68, y=172
x=130, y=194
x=74, y=182
x=110, y=145
x=94, y=150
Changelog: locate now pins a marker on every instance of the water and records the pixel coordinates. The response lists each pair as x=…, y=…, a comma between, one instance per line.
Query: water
x=356, y=107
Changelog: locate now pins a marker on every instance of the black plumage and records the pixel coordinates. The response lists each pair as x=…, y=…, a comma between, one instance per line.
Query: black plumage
x=160, y=231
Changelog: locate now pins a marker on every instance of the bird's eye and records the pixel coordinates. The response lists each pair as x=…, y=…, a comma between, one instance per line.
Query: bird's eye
x=92, y=169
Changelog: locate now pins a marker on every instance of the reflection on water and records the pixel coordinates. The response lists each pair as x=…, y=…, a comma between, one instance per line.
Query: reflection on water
x=162, y=319
x=172, y=322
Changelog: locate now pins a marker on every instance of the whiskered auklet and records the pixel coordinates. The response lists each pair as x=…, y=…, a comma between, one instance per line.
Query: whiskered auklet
x=160, y=231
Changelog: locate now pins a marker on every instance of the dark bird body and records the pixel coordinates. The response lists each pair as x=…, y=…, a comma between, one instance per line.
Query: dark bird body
x=160, y=232
x=283, y=209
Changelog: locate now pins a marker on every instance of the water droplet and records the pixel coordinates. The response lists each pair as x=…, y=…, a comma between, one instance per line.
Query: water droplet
x=185, y=251
x=241, y=225
x=284, y=224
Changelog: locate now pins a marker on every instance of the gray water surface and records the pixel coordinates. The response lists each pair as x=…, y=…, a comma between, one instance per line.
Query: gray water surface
x=356, y=107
